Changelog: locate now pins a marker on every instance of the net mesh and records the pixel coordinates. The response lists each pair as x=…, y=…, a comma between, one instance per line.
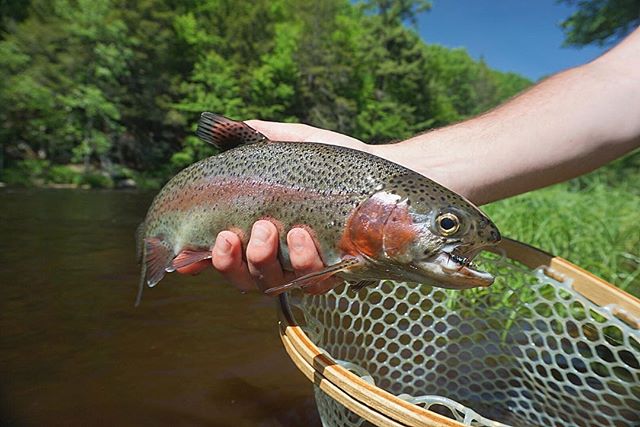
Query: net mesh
x=528, y=351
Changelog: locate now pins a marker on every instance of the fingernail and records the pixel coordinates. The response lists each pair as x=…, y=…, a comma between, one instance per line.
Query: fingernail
x=298, y=240
x=223, y=247
x=260, y=233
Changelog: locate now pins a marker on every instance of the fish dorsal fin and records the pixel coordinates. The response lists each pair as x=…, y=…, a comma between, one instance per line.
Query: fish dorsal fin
x=225, y=133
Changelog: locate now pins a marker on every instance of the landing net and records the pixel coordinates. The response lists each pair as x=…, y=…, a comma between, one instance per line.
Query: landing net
x=528, y=351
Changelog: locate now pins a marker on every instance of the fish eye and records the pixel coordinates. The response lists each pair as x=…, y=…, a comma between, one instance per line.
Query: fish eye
x=447, y=224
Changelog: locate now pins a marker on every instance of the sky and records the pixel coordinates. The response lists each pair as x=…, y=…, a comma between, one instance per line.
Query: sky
x=521, y=36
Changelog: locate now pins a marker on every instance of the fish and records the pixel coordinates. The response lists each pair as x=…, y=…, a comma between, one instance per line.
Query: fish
x=370, y=219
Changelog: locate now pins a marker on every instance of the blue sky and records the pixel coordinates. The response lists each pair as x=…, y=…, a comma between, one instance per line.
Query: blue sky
x=522, y=36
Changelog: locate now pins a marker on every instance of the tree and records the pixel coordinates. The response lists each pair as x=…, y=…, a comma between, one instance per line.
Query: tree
x=122, y=82
x=91, y=81
x=602, y=22
x=11, y=12
x=398, y=11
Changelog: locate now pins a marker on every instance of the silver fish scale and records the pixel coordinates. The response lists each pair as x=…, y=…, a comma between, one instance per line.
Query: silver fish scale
x=321, y=167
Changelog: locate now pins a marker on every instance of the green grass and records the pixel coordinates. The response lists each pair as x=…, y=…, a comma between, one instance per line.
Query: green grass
x=593, y=222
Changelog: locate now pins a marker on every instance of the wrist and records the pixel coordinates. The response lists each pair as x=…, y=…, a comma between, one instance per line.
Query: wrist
x=440, y=155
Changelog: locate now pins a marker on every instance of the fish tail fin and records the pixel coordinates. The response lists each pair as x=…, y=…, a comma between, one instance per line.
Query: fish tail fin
x=143, y=274
x=140, y=257
x=156, y=261
x=225, y=133
x=140, y=242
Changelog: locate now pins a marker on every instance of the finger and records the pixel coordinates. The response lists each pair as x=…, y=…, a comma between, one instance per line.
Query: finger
x=305, y=259
x=226, y=257
x=262, y=255
x=302, y=252
x=300, y=132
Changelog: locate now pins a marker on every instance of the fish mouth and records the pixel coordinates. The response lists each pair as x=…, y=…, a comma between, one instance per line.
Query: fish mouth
x=452, y=268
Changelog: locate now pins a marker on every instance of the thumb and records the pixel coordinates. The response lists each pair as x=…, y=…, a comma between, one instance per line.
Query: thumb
x=304, y=133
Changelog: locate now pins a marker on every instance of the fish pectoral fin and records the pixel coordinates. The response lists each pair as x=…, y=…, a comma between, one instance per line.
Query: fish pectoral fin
x=188, y=257
x=317, y=276
x=362, y=284
x=225, y=133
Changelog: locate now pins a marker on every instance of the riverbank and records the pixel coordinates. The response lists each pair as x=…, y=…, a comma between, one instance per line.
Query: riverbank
x=38, y=173
x=128, y=184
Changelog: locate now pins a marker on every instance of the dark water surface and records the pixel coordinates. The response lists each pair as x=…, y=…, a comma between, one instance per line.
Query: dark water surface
x=74, y=350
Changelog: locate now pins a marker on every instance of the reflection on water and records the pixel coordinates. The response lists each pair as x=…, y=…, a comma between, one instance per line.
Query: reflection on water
x=73, y=350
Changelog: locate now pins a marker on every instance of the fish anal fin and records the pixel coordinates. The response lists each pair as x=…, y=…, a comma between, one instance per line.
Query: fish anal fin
x=189, y=257
x=362, y=284
x=225, y=133
x=157, y=259
x=317, y=276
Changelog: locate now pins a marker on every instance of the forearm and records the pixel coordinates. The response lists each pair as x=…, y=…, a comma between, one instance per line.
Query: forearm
x=563, y=127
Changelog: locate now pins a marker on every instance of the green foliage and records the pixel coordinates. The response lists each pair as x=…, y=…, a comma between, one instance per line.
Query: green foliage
x=602, y=22
x=119, y=172
x=36, y=172
x=622, y=173
x=121, y=82
x=96, y=180
x=12, y=11
x=590, y=223
x=193, y=150
x=508, y=85
x=85, y=81
x=396, y=11
x=150, y=180
x=63, y=174
x=26, y=173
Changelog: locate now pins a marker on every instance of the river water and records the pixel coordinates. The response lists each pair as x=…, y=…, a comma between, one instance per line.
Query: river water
x=75, y=351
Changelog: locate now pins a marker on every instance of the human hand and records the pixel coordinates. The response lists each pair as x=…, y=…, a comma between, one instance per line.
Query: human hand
x=262, y=268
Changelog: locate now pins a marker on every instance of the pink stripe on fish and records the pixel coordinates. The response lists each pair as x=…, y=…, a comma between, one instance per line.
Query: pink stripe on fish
x=209, y=191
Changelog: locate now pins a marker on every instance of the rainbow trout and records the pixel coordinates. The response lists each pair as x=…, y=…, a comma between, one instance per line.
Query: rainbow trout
x=370, y=219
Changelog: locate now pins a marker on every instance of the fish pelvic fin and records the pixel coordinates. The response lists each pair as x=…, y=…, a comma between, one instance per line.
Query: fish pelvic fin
x=225, y=133
x=156, y=261
x=189, y=257
x=317, y=276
